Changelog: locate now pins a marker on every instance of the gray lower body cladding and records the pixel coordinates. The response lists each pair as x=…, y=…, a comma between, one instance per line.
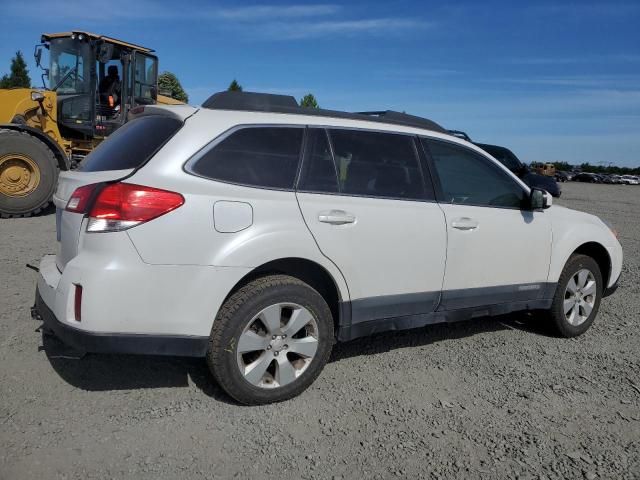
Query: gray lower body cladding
x=367, y=316
x=359, y=318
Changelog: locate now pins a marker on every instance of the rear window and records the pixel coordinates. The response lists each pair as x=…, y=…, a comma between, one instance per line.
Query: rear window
x=377, y=164
x=132, y=144
x=258, y=156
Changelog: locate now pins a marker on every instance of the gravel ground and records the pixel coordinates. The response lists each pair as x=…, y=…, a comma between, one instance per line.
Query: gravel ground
x=493, y=398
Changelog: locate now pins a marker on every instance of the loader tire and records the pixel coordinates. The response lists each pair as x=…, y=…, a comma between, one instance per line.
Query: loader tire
x=28, y=174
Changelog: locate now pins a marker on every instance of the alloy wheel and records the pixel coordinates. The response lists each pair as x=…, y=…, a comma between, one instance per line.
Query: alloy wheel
x=579, y=297
x=277, y=345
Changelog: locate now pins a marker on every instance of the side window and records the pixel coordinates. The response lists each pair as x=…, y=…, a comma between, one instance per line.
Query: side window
x=377, y=164
x=469, y=178
x=318, y=170
x=260, y=156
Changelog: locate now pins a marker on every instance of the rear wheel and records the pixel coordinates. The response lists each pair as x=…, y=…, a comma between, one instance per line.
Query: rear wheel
x=577, y=299
x=28, y=174
x=270, y=340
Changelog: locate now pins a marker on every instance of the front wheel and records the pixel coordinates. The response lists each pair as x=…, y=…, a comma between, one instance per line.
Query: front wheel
x=577, y=299
x=270, y=340
x=28, y=174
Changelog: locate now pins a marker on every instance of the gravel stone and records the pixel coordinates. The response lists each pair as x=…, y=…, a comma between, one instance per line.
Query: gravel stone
x=494, y=398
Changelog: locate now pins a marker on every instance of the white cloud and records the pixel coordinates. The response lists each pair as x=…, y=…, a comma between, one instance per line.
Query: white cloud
x=586, y=59
x=95, y=10
x=612, y=81
x=263, y=12
x=371, y=26
x=282, y=22
x=591, y=9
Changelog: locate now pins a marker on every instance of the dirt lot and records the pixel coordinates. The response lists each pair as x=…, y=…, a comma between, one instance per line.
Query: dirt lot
x=492, y=398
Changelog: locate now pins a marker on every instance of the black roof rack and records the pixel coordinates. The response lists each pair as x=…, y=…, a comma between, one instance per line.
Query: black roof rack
x=252, y=101
x=402, y=118
x=267, y=102
x=459, y=134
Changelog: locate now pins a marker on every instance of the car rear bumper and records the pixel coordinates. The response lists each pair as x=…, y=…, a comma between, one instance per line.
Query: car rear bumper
x=128, y=306
x=99, y=342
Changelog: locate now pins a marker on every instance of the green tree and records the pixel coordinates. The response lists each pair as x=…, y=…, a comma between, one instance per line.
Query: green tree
x=19, y=76
x=234, y=86
x=168, y=84
x=309, y=101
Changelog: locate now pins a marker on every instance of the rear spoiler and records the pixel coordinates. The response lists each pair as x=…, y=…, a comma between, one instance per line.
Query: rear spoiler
x=179, y=112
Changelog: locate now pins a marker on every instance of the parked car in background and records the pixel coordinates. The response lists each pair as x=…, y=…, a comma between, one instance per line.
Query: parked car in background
x=513, y=163
x=587, y=178
x=255, y=233
x=629, y=180
x=616, y=179
x=562, y=176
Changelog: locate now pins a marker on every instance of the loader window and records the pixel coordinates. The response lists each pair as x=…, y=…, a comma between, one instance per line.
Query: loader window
x=146, y=80
x=70, y=66
x=132, y=145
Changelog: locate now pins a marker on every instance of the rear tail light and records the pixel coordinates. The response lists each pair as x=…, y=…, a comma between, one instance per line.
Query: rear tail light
x=80, y=199
x=119, y=206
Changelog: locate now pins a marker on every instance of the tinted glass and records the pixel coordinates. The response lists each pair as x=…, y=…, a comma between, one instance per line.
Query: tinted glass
x=260, y=156
x=318, y=170
x=132, y=145
x=504, y=156
x=377, y=164
x=469, y=178
x=146, y=79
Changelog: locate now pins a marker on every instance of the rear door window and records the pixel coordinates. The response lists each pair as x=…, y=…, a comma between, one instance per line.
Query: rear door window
x=132, y=145
x=256, y=156
x=377, y=164
x=318, y=170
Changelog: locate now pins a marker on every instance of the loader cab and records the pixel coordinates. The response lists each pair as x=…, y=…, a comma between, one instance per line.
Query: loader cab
x=97, y=80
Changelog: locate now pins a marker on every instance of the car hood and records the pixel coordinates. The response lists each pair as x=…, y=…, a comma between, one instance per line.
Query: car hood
x=541, y=181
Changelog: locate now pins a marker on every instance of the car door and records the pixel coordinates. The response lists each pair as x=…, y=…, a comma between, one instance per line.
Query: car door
x=366, y=202
x=498, y=251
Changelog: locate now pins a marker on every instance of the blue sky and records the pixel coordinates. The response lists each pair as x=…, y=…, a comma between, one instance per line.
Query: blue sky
x=554, y=81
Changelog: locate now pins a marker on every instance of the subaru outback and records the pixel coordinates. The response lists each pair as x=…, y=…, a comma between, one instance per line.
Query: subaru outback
x=256, y=233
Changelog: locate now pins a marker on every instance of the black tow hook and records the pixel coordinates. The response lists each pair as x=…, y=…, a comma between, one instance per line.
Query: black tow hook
x=33, y=267
x=35, y=314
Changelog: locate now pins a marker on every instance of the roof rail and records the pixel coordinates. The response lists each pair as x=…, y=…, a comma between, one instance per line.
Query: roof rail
x=459, y=134
x=405, y=119
x=257, y=102
x=268, y=102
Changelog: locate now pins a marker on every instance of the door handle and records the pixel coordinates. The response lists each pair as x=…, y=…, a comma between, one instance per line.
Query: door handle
x=464, y=223
x=336, y=217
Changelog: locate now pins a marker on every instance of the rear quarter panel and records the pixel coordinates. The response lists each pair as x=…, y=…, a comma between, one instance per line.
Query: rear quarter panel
x=187, y=235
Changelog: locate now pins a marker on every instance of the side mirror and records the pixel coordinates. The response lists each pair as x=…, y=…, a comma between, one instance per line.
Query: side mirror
x=37, y=54
x=539, y=199
x=105, y=52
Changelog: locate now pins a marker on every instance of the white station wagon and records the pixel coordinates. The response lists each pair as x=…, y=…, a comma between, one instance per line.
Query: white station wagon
x=256, y=233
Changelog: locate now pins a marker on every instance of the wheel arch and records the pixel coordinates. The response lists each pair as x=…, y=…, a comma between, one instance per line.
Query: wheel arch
x=601, y=256
x=308, y=271
x=61, y=157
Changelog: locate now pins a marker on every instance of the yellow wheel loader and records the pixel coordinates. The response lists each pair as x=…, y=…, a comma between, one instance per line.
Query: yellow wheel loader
x=94, y=81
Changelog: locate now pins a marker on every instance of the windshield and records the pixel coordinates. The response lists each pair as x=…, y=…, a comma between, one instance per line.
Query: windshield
x=69, y=68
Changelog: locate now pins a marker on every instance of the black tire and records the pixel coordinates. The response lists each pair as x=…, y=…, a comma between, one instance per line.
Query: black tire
x=239, y=310
x=558, y=320
x=23, y=143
